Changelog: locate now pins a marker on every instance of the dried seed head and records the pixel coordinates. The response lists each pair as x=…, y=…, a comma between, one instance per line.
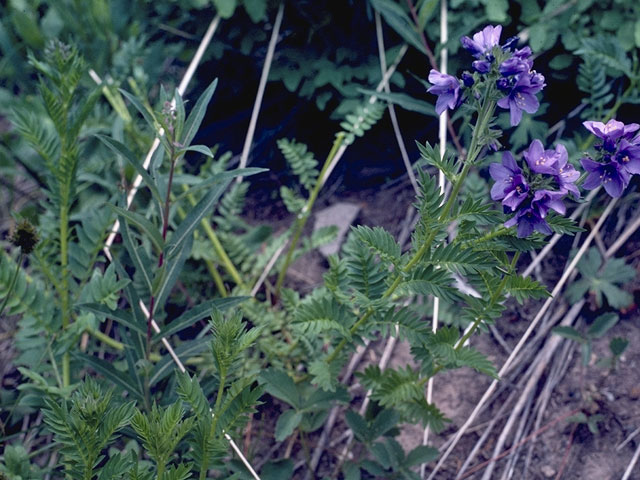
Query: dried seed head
x=25, y=236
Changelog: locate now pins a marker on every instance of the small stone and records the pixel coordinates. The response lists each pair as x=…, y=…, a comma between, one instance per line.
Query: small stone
x=342, y=215
x=548, y=471
x=635, y=392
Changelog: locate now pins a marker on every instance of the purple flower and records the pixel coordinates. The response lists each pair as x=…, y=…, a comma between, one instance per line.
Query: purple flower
x=566, y=175
x=628, y=156
x=541, y=160
x=447, y=88
x=510, y=186
x=529, y=219
x=545, y=200
x=481, y=66
x=612, y=130
x=612, y=175
x=522, y=96
x=483, y=41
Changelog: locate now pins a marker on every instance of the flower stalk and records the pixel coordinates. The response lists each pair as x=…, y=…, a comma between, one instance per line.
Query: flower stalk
x=306, y=211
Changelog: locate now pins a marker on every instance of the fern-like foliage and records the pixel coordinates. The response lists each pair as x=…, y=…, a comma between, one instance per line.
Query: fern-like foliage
x=160, y=431
x=401, y=390
x=592, y=80
x=85, y=425
x=364, y=117
x=301, y=161
x=446, y=164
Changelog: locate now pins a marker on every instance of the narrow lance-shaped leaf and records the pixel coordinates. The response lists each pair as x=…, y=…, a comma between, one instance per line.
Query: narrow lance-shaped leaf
x=145, y=226
x=194, y=120
x=122, y=150
x=203, y=207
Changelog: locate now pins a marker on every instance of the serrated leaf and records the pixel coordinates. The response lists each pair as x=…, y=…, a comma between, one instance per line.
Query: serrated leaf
x=570, y=333
x=282, y=386
x=421, y=454
x=602, y=324
x=287, y=422
x=380, y=241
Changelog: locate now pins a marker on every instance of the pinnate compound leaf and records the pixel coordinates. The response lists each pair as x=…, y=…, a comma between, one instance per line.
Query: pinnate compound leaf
x=380, y=242
x=522, y=288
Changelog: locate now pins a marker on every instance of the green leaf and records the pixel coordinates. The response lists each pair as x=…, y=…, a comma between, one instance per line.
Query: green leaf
x=257, y=11
x=194, y=119
x=107, y=370
x=636, y=33
x=137, y=254
x=497, y=11
x=277, y=470
x=165, y=366
x=122, y=317
x=380, y=241
x=602, y=324
x=351, y=471
x=522, y=288
x=225, y=7
x=197, y=313
x=282, y=386
x=570, y=333
x=405, y=101
x=324, y=375
x=203, y=207
x=538, y=36
x=421, y=454
x=203, y=149
x=146, y=114
x=618, y=345
x=359, y=426
x=121, y=149
x=170, y=272
x=287, y=422
x=398, y=19
x=145, y=226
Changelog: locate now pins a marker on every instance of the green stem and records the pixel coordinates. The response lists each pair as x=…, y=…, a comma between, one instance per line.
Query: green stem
x=66, y=314
x=217, y=279
x=306, y=211
x=13, y=282
x=217, y=246
x=485, y=115
x=106, y=339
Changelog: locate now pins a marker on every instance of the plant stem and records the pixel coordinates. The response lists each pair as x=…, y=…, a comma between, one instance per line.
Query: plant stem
x=217, y=246
x=13, y=282
x=217, y=279
x=64, y=267
x=485, y=114
x=303, y=216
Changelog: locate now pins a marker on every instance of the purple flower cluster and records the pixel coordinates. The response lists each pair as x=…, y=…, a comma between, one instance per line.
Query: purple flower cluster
x=532, y=192
x=511, y=70
x=520, y=84
x=619, y=156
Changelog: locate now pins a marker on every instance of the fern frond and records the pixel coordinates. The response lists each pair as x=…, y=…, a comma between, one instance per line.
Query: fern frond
x=522, y=288
x=318, y=316
x=301, y=161
x=429, y=281
x=38, y=135
x=446, y=164
x=380, y=242
x=457, y=259
x=364, y=117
